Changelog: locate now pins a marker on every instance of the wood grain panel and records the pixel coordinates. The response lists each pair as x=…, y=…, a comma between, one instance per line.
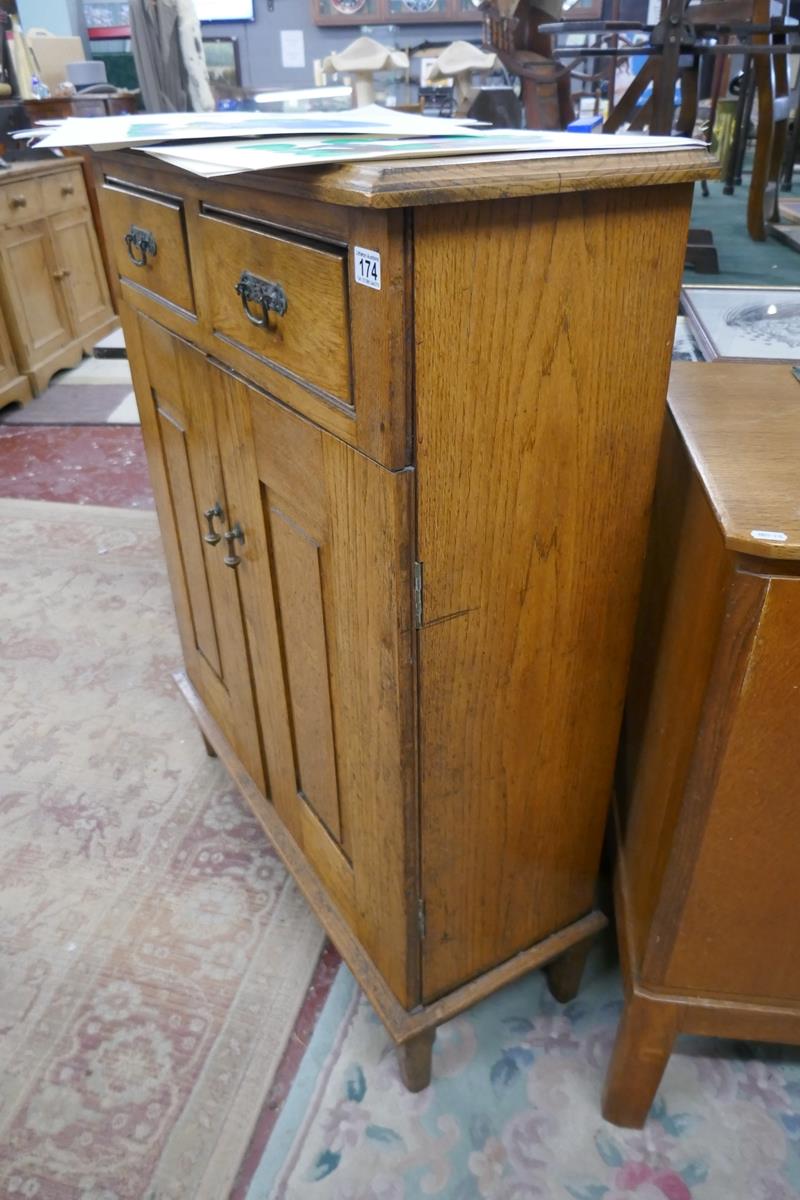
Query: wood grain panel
x=680, y=618
x=745, y=455
x=742, y=885
x=298, y=573
x=533, y=498
x=166, y=274
x=37, y=312
x=84, y=281
x=312, y=339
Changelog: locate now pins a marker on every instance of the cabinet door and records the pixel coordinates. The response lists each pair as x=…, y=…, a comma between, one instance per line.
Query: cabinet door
x=175, y=393
x=326, y=593
x=36, y=309
x=8, y=367
x=80, y=270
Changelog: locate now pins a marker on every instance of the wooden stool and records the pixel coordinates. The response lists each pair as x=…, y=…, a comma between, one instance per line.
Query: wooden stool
x=708, y=819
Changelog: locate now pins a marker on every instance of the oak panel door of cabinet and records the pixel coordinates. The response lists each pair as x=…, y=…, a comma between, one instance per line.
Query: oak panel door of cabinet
x=175, y=393
x=8, y=365
x=326, y=593
x=80, y=269
x=37, y=311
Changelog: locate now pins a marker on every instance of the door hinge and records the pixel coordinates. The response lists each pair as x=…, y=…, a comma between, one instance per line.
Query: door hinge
x=418, y=594
x=421, y=917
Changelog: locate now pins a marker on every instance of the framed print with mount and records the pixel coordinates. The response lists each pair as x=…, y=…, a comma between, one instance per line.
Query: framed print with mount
x=744, y=323
x=394, y=12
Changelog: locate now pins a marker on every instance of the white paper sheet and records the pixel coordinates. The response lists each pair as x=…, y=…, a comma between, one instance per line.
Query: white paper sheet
x=154, y=128
x=210, y=159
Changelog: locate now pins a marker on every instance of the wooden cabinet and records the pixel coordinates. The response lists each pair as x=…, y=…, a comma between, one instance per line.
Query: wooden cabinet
x=708, y=824
x=405, y=526
x=53, y=288
x=14, y=387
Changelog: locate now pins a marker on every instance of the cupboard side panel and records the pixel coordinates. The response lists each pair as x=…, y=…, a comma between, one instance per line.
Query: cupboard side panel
x=543, y=338
x=370, y=622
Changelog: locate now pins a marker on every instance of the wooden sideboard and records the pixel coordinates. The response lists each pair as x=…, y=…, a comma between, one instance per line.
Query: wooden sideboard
x=53, y=290
x=707, y=887
x=402, y=421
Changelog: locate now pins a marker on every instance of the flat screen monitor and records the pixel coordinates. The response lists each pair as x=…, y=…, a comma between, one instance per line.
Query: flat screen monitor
x=225, y=10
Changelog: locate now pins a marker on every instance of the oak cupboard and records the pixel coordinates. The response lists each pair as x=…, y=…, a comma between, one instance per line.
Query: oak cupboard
x=14, y=387
x=707, y=889
x=402, y=422
x=53, y=289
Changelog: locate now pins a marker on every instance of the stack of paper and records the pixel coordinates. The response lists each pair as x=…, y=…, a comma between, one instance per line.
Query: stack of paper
x=229, y=143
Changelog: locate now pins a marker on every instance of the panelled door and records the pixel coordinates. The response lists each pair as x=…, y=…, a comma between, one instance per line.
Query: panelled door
x=40, y=322
x=80, y=269
x=175, y=393
x=325, y=588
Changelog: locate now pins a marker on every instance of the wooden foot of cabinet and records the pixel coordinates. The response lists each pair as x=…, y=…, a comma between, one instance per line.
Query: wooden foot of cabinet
x=641, y=1051
x=564, y=974
x=415, y=1059
x=210, y=751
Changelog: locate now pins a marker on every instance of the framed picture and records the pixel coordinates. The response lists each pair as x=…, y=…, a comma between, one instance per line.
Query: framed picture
x=222, y=59
x=744, y=323
x=393, y=12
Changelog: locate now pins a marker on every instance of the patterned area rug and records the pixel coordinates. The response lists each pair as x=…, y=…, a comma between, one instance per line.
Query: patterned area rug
x=514, y=1111
x=153, y=953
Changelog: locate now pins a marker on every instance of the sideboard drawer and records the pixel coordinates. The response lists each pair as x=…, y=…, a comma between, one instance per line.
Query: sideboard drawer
x=62, y=191
x=20, y=201
x=281, y=298
x=146, y=234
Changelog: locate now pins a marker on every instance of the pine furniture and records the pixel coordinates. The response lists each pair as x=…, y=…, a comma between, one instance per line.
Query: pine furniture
x=707, y=887
x=53, y=290
x=402, y=421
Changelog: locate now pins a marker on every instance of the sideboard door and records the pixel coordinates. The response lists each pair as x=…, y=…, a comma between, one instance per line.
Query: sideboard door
x=326, y=594
x=175, y=393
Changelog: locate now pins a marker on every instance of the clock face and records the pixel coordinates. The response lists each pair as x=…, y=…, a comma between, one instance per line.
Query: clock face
x=348, y=7
x=419, y=6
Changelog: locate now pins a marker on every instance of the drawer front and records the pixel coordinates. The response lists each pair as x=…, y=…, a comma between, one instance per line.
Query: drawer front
x=62, y=191
x=282, y=299
x=146, y=237
x=20, y=201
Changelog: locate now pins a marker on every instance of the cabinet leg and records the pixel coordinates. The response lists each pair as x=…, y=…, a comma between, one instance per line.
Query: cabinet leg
x=210, y=751
x=641, y=1052
x=414, y=1058
x=564, y=973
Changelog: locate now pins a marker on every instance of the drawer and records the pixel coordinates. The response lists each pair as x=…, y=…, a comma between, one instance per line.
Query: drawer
x=146, y=237
x=65, y=190
x=20, y=201
x=281, y=298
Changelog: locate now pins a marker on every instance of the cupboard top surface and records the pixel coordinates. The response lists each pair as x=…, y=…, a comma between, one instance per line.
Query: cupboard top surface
x=741, y=425
x=401, y=183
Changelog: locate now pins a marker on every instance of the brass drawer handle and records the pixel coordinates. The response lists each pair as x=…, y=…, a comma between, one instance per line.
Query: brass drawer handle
x=143, y=241
x=68, y=189
x=212, y=537
x=233, y=535
x=270, y=296
x=19, y=201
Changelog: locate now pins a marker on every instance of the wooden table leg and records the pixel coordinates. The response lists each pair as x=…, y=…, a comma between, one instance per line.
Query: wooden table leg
x=641, y=1052
x=564, y=974
x=415, y=1058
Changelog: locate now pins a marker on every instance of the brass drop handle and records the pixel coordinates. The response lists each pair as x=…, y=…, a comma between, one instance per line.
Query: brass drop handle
x=68, y=189
x=62, y=274
x=210, y=514
x=233, y=535
x=263, y=293
x=19, y=201
x=143, y=242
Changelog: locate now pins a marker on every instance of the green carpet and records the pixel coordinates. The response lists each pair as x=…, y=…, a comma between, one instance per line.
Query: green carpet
x=741, y=260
